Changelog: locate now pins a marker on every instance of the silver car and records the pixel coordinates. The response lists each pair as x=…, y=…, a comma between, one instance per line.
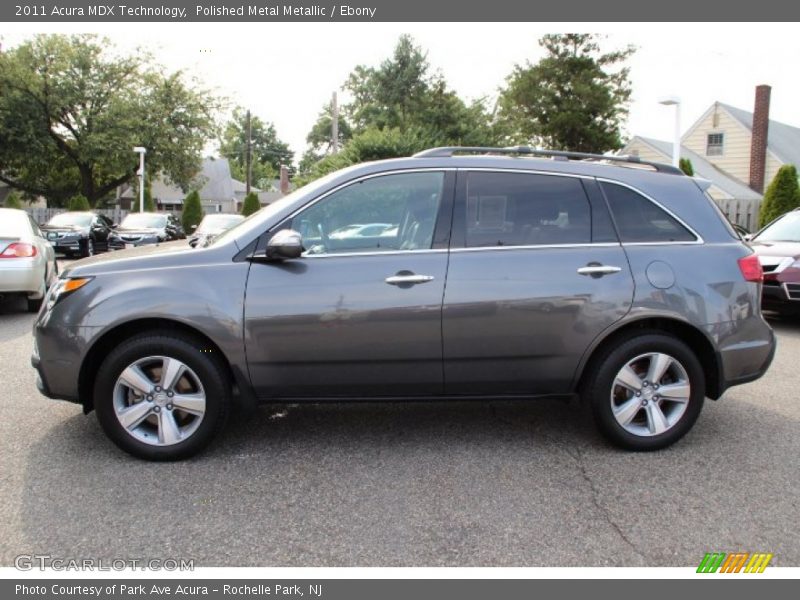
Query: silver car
x=510, y=276
x=27, y=260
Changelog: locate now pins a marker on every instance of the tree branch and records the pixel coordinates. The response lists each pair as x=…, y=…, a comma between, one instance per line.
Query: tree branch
x=25, y=188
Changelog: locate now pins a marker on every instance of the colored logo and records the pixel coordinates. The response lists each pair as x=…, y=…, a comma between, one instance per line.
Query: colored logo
x=736, y=562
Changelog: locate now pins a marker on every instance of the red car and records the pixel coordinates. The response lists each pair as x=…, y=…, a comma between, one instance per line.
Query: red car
x=778, y=249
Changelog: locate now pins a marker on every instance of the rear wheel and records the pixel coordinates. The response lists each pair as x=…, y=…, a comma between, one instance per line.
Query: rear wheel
x=646, y=392
x=161, y=397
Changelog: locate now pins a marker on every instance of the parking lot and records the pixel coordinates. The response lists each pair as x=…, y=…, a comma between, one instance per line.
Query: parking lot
x=417, y=484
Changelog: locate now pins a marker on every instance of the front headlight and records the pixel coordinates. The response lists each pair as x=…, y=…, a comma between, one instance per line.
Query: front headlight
x=64, y=287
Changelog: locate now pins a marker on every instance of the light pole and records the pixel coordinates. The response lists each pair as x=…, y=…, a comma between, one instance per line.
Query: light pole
x=141, y=151
x=676, y=143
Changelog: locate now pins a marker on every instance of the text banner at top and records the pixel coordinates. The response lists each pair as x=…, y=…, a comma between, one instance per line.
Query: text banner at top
x=50, y=11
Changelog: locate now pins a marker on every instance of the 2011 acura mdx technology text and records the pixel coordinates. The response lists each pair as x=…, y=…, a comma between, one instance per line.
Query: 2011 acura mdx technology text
x=507, y=273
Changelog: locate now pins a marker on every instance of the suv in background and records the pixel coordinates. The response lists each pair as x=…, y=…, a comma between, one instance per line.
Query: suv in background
x=778, y=248
x=81, y=233
x=527, y=275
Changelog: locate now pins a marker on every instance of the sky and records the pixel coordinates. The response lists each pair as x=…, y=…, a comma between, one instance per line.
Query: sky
x=286, y=72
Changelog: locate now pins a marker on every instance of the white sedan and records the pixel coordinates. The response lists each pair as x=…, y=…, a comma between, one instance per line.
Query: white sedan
x=27, y=260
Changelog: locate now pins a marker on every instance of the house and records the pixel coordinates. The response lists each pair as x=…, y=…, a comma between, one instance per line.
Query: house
x=739, y=152
x=275, y=189
x=216, y=189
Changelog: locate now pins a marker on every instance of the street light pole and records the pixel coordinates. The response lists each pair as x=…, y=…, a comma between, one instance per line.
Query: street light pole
x=676, y=140
x=141, y=151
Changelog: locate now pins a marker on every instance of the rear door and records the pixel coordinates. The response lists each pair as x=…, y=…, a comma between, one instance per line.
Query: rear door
x=536, y=273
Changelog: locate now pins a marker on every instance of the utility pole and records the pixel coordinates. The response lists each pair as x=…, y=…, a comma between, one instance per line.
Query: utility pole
x=334, y=125
x=249, y=156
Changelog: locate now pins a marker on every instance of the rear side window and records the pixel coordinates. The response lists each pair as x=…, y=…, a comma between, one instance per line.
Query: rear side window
x=640, y=220
x=521, y=209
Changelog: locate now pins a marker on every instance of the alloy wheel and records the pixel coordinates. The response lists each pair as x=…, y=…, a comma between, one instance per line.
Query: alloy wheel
x=650, y=394
x=159, y=400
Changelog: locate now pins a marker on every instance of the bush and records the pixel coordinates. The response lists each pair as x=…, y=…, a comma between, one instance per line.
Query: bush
x=685, y=165
x=783, y=195
x=250, y=204
x=13, y=200
x=78, y=203
x=192, y=211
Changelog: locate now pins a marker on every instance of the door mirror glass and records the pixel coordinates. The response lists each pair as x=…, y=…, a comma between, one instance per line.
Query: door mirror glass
x=285, y=244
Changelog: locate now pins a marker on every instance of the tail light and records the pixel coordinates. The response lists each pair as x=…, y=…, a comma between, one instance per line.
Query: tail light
x=19, y=250
x=751, y=269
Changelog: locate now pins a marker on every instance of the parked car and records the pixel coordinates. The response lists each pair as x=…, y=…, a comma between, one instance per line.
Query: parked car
x=507, y=277
x=138, y=229
x=27, y=261
x=210, y=227
x=778, y=248
x=82, y=233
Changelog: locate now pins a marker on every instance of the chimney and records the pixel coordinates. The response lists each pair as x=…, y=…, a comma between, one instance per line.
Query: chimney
x=285, y=180
x=758, y=146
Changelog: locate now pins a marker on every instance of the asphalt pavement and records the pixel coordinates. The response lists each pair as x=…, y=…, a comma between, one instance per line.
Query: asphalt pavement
x=415, y=484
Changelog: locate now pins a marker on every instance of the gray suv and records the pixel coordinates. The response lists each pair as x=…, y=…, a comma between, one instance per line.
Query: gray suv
x=495, y=273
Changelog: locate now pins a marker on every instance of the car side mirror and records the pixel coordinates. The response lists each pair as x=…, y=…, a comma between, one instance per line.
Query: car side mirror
x=285, y=244
x=193, y=227
x=747, y=237
x=115, y=225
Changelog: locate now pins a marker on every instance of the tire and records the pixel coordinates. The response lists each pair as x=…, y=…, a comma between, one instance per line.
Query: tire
x=634, y=422
x=88, y=248
x=35, y=305
x=159, y=430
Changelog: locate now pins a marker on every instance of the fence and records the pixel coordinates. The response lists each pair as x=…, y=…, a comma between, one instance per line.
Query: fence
x=741, y=212
x=43, y=215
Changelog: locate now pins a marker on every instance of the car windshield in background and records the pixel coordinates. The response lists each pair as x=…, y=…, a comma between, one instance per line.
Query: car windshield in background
x=142, y=220
x=785, y=229
x=14, y=224
x=219, y=222
x=70, y=220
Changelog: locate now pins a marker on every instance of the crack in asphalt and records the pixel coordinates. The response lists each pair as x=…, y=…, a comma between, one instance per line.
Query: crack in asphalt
x=577, y=457
x=596, y=501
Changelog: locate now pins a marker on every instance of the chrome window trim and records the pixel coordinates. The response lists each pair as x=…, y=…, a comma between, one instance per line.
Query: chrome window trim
x=698, y=238
x=537, y=247
x=386, y=253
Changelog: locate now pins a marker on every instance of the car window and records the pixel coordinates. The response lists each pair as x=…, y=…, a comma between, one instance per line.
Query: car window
x=522, y=209
x=641, y=220
x=390, y=212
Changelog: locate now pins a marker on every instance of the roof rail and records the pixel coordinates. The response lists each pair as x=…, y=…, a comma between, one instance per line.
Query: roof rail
x=448, y=151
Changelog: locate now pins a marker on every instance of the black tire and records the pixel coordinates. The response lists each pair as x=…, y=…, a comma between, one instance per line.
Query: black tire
x=208, y=367
x=88, y=248
x=35, y=305
x=600, y=386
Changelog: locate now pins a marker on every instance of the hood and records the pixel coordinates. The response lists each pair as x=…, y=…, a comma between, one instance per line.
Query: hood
x=143, y=257
x=776, y=248
x=63, y=228
x=139, y=230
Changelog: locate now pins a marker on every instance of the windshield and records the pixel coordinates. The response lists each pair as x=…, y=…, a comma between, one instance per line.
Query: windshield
x=785, y=229
x=71, y=219
x=136, y=220
x=219, y=222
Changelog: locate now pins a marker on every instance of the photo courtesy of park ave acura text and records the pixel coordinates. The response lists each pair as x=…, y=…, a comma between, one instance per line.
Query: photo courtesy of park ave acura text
x=314, y=291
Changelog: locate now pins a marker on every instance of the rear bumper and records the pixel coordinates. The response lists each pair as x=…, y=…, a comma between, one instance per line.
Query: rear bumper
x=745, y=353
x=23, y=275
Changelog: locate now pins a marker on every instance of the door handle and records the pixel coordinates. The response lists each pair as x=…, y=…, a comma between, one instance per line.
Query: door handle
x=598, y=270
x=408, y=279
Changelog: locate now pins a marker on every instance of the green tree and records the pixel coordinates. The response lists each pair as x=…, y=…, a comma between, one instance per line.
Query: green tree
x=78, y=203
x=686, y=166
x=268, y=151
x=13, y=200
x=575, y=98
x=397, y=108
x=72, y=108
x=192, y=211
x=782, y=195
x=250, y=204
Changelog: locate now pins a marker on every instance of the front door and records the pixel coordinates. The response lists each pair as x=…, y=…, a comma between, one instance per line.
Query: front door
x=536, y=274
x=360, y=313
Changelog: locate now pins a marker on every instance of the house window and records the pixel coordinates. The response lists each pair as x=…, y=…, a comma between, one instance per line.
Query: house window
x=714, y=145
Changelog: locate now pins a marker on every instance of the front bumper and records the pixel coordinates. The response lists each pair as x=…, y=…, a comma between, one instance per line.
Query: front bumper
x=116, y=243
x=781, y=296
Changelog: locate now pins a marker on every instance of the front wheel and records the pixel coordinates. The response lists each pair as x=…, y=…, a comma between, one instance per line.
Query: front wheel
x=162, y=397
x=646, y=392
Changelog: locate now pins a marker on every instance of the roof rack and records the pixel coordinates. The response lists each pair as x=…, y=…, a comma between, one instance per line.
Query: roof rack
x=448, y=151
